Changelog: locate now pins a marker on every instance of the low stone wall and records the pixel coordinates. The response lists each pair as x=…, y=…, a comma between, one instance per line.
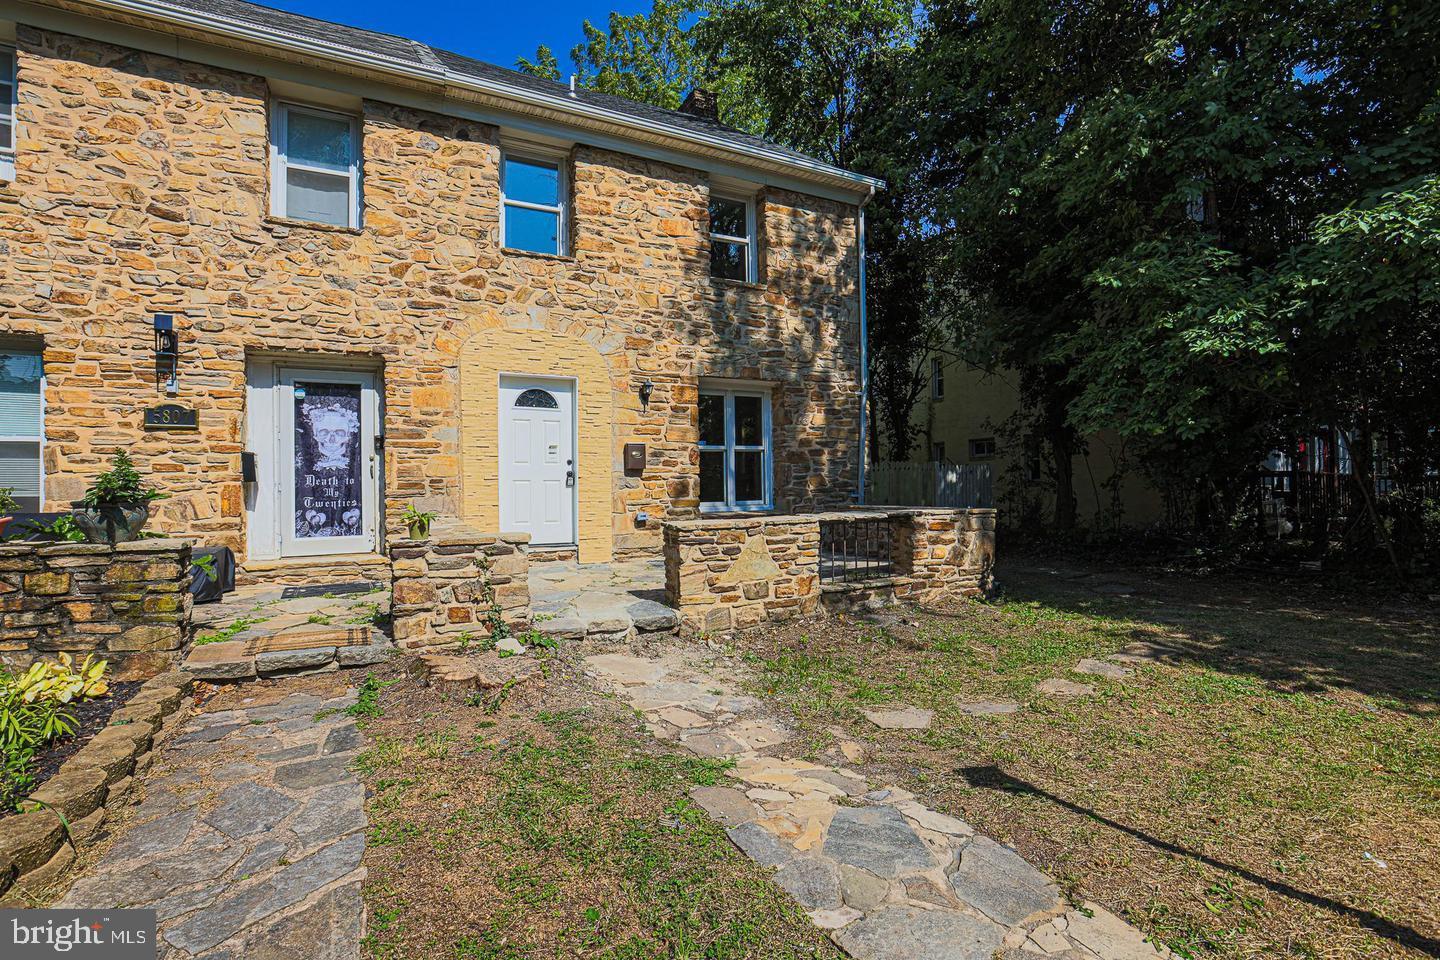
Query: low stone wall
x=36, y=846
x=728, y=573
x=458, y=582
x=129, y=603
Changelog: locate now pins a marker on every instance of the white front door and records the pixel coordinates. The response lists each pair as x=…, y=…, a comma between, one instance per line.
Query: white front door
x=537, y=458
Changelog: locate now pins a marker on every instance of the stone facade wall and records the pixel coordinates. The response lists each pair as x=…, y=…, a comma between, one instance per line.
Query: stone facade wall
x=730, y=573
x=129, y=603
x=142, y=187
x=454, y=583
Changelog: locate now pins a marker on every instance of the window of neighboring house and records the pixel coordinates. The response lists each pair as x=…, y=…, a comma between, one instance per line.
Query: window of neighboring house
x=315, y=174
x=734, y=450
x=982, y=449
x=532, y=193
x=733, y=254
x=937, y=379
x=22, y=426
x=937, y=451
x=9, y=98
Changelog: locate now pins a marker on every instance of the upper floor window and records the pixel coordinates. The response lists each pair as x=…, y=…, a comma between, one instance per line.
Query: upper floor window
x=982, y=448
x=732, y=239
x=8, y=101
x=937, y=378
x=22, y=425
x=315, y=169
x=533, y=197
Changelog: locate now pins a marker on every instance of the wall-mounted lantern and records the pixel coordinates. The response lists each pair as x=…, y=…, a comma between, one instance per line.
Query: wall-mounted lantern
x=167, y=352
x=646, y=389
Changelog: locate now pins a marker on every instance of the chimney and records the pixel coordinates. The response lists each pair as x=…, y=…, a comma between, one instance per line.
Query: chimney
x=703, y=104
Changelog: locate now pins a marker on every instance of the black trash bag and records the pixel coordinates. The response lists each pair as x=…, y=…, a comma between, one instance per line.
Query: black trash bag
x=206, y=588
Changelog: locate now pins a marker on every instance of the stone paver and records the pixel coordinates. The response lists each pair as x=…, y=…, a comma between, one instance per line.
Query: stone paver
x=887, y=877
x=899, y=718
x=609, y=601
x=1059, y=687
x=256, y=631
x=1100, y=668
x=248, y=841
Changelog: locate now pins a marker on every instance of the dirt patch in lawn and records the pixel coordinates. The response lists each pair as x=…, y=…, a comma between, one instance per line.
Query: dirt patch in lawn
x=546, y=823
x=1266, y=782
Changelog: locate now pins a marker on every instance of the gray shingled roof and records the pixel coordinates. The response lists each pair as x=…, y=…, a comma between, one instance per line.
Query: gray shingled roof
x=422, y=56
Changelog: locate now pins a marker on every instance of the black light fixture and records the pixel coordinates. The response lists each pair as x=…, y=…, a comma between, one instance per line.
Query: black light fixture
x=646, y=389
x=167, y=352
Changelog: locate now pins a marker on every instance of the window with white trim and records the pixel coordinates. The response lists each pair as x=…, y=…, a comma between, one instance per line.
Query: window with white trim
x=937, y=378
x=982, y=448
x=315, y=165
x=9, y=99
x=735, y=458
x=532, y=195
x=22, y=425
x=733, y=254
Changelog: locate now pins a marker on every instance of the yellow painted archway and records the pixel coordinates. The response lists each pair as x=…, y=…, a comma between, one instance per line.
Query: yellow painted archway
x=484, y=357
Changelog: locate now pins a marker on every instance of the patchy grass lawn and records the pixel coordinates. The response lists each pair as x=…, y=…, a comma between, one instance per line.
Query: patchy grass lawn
x=1272, y=790
x=551, y=826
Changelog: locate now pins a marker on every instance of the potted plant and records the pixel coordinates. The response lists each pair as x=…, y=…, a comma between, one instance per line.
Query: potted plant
x=419, y=523
x=7, y=507
x=115, y=508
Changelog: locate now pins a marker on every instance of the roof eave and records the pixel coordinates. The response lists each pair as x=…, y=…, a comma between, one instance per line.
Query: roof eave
x=496, y=93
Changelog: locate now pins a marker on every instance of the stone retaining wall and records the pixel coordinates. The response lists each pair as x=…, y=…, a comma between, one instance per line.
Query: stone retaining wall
x=35, y=846
x=728, y=573
x=129, y=603
x=457, y=582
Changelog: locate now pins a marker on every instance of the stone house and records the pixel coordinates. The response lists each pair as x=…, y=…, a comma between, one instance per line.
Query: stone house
x=392, y=275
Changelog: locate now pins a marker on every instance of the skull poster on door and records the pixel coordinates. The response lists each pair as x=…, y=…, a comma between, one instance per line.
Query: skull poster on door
x=327, y=460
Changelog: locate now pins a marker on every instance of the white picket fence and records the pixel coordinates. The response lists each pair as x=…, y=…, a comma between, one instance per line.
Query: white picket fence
x=935, y=484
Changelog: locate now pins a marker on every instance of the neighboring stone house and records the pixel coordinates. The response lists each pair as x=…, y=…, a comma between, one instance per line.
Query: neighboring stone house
x=396, y=275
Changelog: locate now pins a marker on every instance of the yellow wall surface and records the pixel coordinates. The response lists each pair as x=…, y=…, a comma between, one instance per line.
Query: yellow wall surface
x=977, y=405
x=494, y=351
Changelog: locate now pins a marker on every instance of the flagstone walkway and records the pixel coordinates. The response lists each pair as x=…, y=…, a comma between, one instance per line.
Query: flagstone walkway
x=889, y=877
x=249, y=838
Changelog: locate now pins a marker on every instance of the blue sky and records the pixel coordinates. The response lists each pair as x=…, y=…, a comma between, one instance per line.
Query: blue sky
x=497, y=32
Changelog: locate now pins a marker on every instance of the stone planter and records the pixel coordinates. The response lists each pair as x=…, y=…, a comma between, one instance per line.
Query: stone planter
x=111, y=523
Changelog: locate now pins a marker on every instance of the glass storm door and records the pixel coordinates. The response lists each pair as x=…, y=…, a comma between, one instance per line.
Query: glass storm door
x=537, y=458
x=327, y=463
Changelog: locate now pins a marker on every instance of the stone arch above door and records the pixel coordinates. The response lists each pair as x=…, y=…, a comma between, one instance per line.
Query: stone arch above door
x=537, y=350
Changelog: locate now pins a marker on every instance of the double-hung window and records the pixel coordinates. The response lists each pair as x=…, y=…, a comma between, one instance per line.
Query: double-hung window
x=937, y=379
x=532, y=194
x=8, y=101
x=315, y=168
x=733, y=254
x=734, y=450
x=22, y=425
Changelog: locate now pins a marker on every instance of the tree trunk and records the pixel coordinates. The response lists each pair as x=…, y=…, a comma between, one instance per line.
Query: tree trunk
x=1062, y=450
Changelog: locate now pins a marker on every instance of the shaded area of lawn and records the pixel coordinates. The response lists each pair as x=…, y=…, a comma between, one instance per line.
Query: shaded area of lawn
x=552, y=827
x=1271, y=789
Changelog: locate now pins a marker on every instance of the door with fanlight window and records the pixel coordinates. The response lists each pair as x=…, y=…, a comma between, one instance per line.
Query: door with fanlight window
x=735, y=459
x=537, y=458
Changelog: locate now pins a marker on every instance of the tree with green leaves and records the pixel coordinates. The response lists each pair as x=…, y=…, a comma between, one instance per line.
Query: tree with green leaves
x=1152, y=207
x=652, y=58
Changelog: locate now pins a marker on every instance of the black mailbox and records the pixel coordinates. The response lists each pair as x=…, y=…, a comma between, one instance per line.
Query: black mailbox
x=634, y=458
x=249, y=473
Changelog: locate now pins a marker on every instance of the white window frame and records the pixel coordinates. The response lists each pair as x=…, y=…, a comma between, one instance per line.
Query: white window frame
x=975, y=452
x=730, y=448
x=560, y=208
x=7, y=154
x=37, y=439
x=937, y=379
x=752, y=254
x=280, y=164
